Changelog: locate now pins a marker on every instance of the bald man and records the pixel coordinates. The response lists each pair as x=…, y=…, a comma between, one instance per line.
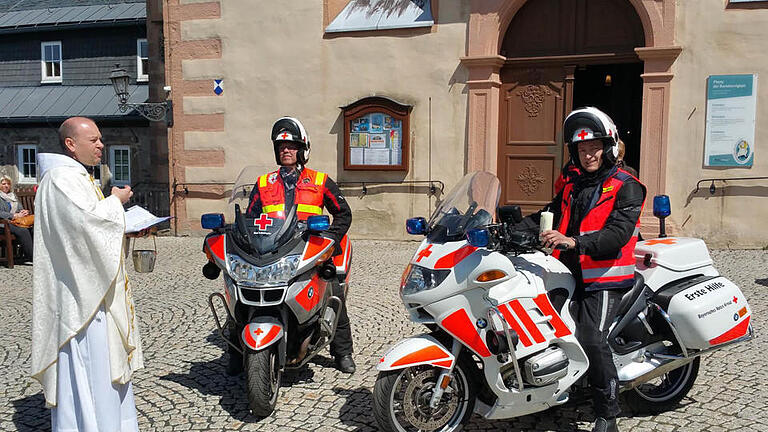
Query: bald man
x=85, y=335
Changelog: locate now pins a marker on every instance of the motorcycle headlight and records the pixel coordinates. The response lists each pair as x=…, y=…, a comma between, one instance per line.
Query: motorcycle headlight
x=275, y=274
x=420, y=279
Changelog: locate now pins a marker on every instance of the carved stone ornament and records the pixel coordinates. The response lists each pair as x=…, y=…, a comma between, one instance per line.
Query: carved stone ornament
x=533, y=98
x=529, y=180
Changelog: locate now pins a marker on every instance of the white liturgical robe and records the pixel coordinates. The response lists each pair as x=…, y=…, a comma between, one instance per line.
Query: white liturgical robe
x=80, y=291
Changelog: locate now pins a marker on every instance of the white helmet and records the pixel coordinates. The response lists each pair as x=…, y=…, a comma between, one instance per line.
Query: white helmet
x=587, y=124
x=291, y=129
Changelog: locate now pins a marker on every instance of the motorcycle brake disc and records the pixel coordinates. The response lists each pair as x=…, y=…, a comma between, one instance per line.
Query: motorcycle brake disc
x=416, y=397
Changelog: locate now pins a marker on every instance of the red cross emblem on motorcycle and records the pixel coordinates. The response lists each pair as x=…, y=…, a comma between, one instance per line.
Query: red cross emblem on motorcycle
x=424, y=253
x=258, y=331
x=263, y=222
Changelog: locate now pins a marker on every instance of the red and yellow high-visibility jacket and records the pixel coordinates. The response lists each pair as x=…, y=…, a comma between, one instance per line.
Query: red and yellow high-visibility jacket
x=609, y=273
x=309, y=194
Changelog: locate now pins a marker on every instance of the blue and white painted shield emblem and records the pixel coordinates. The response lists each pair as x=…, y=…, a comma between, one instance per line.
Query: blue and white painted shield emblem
x=218, y=86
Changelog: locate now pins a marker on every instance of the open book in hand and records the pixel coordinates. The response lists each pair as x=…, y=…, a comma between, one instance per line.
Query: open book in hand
x=138, y=218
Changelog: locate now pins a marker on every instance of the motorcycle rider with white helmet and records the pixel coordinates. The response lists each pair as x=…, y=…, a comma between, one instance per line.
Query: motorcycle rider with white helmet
x=311, y=191
x=596, y=216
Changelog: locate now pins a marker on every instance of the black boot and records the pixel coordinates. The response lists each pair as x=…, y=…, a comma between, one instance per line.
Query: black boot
x=345, y=363
x=605, y=425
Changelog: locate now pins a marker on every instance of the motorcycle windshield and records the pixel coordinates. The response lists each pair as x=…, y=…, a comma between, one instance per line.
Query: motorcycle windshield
x=262, y=233
x=470, y=204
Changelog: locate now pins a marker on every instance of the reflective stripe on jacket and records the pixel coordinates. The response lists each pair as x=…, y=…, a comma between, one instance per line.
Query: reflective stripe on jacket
x=618, y=272
x=309, y=194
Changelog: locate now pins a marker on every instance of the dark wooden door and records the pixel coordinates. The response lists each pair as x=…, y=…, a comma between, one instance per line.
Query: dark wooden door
x=533, y=105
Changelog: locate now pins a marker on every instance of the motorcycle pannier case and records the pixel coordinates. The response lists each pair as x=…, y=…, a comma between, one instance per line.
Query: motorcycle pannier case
x=706, y=311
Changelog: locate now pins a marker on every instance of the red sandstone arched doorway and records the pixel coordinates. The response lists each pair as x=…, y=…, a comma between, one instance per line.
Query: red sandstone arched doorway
x=488, y=25
x=548, y=44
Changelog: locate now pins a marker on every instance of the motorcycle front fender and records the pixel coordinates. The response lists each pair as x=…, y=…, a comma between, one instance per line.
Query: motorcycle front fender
x=261, y=333
x=414, y=351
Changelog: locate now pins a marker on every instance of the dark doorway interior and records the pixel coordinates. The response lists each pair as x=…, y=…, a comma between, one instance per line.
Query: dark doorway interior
x=620, y=96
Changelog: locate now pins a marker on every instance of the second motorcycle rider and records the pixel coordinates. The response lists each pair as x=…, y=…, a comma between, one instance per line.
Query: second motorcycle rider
x=596, y=217
x=310, y=191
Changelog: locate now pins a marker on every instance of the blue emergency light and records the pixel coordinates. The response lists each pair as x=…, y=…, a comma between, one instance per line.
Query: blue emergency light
x=212, y=220
x=661, y=207
x=416, y=226
x=318, y=223
x=478, y=237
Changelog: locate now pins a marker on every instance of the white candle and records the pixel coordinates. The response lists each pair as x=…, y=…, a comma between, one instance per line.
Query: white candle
x=545, y=224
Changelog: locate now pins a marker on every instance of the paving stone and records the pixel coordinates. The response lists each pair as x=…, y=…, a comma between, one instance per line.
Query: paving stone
x=184, y=387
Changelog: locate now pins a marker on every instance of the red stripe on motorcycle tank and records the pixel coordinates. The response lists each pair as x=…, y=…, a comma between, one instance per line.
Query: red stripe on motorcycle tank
x=426, y=354
x=216, y=246
x=317, y=287
x=460, y=326
x=341, y=259
x=315, y=245
x=504, y=309
x=542, y=301
x=455, y=257
x=270, y=335
x=738, y=331
x=527, y=321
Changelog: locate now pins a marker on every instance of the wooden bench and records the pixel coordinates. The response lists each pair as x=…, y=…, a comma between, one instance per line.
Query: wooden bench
x=7, y=247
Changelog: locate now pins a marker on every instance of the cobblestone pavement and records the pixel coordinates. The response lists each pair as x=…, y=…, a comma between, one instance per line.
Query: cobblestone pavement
x=183, y=386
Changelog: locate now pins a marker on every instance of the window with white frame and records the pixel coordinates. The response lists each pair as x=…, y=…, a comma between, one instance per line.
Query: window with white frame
x=51, y=61
x=142, y=60
x=26, y=163
x=120, y=164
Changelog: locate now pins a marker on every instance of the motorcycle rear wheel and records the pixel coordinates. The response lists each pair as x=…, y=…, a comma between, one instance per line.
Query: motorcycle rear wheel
x=401, y=400
x=262, y=380
x=664, y=392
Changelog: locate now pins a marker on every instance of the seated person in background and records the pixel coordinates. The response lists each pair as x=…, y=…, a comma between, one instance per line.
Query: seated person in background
x=11, y=209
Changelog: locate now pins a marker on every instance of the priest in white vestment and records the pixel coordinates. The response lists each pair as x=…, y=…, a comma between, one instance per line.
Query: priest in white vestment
x=85, y=334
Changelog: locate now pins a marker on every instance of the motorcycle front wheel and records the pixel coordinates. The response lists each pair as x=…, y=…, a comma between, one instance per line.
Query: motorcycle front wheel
x=401, y=400
x=262, y=380
x=664, y=392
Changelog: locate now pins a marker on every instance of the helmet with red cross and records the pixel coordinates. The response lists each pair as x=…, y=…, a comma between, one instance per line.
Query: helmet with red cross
x=289, y=129
x=588, y=124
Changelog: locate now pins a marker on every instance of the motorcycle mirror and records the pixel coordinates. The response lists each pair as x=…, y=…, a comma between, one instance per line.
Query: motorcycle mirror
x=509, y=214
x=478, y=237
x=416, y=226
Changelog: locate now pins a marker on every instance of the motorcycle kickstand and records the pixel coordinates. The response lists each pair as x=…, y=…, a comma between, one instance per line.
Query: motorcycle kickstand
x=445, y=377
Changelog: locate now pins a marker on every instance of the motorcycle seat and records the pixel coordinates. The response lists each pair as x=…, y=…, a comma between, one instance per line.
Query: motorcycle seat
x=630, y=296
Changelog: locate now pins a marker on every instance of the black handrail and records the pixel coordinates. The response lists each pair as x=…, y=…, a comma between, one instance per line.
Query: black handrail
x=186, y=184
x=364, y=185
x=712, y=187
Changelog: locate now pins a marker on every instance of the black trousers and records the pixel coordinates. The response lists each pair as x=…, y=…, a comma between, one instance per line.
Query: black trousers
x=24, y=238
x=595, y=311
x=341, y=343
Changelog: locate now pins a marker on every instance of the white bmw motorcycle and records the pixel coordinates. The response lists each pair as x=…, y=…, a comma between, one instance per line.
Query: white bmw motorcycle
x=502, y=342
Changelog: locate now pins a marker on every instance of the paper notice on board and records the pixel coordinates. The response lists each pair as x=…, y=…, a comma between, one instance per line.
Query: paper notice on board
x=377, y=141
x=730, y=124
x=356, y=156
x=377, y=156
